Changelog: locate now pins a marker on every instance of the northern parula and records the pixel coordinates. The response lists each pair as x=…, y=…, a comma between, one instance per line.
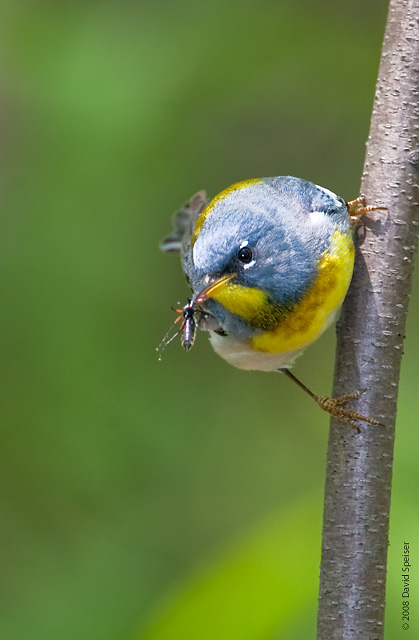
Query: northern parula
x=269, y=261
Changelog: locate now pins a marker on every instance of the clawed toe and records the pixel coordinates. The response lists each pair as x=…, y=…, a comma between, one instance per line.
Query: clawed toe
x=349, y=396
x=358, y=207
x=348, y=416
x=334, y=406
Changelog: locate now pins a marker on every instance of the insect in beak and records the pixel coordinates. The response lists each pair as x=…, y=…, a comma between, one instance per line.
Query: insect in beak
x=187, y=328
x=186, y=317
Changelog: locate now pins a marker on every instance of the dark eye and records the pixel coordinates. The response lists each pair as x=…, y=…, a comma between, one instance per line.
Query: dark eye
x=245, y=255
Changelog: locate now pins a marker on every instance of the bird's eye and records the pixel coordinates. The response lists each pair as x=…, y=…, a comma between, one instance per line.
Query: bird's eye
x=245, y=255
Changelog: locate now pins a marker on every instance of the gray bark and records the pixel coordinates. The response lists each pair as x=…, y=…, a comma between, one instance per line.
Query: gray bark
x=370, y=343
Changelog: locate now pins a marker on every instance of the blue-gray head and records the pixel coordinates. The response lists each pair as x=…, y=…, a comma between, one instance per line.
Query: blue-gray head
x=270, y=233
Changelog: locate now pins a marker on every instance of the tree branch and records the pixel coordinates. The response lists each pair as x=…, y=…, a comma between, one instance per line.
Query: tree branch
x=370, y=341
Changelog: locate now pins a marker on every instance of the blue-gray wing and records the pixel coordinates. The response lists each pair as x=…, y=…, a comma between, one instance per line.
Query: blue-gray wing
x=183, y=222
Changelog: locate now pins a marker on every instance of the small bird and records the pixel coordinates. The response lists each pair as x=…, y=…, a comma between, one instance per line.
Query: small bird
x=269, y=261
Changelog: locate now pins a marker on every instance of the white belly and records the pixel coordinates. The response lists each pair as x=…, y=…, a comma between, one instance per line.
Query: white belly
x=242, y=356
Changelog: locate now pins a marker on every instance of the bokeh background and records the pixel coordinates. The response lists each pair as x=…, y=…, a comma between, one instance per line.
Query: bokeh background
x=179, y=499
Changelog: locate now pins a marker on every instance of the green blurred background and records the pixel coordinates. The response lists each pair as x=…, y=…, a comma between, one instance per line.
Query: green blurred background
x=182, y=498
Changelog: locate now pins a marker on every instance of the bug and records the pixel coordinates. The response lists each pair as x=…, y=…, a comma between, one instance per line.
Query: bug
x=187, y=328
x=187, y=315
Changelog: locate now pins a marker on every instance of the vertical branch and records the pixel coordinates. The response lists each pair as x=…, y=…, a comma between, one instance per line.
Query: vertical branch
x=370, y=342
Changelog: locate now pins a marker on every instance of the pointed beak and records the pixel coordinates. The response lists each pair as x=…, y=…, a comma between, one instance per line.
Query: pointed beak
x=214, y=287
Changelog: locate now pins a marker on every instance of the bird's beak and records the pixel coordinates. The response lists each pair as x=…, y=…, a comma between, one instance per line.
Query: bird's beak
x=214, y=287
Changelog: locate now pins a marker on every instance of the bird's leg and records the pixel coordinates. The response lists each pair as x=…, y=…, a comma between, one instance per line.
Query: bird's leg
x=359, y=206
x=334, y=406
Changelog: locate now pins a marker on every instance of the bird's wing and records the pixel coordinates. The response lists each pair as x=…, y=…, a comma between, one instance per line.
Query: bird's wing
x=183, y=222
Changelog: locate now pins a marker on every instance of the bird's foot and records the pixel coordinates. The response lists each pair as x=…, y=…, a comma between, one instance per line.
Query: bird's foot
x=335, y=407
x=358, y=207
